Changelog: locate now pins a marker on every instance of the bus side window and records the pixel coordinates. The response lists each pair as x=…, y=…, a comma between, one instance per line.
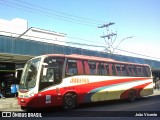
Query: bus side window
x=139, y=70
x=130, y=71
x=71, y=68
x=114, y=73
x=133, y=71
x=92, y=67
x=118, y=68
x=124, y=70
x=147, y=71
x=98, y=68
x=105, y=69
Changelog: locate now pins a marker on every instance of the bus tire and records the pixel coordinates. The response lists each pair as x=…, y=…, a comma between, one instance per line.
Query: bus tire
x=27, y=109
x=69, y=101
x=132, y=96
x=23, y=108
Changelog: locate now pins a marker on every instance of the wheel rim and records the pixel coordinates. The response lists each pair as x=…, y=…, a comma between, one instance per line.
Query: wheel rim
x=69, y=102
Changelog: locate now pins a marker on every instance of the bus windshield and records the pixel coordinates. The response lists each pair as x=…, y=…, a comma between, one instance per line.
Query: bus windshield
x=29, y=75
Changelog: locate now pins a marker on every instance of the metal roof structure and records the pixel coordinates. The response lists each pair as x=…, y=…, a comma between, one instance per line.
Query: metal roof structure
x=19, y=50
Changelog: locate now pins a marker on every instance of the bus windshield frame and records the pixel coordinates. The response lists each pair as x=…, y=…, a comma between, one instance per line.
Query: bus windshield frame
x=29, y=75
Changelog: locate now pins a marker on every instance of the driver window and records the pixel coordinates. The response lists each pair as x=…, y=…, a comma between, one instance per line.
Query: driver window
x=49, y=76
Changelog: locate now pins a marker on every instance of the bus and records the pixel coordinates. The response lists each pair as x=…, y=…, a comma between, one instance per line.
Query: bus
x=69, y=80
x=18, y=74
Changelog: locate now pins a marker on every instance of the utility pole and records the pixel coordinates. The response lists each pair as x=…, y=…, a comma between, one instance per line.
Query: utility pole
x=109, y=37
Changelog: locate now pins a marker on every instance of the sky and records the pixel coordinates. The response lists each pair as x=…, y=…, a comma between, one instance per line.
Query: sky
x=79, y=19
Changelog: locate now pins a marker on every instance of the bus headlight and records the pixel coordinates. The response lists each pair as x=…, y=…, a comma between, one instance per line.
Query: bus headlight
x=22, y=101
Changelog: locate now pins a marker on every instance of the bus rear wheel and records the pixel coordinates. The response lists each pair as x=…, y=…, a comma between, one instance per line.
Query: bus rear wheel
x=132, y=96
x=69, y=101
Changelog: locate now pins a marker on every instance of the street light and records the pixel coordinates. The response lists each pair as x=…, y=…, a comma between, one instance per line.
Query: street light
x=121, y=42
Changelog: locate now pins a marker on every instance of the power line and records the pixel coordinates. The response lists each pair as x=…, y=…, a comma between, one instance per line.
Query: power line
x=41, y=38
x=137, y=53
x=88, y=19
x=48, y=13
x=84, y=40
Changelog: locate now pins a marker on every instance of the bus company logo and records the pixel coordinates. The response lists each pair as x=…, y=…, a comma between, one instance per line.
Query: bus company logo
x=79, y=80
x=6, y=114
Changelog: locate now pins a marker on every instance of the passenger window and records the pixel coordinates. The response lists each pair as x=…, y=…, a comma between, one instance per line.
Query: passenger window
x=113, y=70
x=143, y=71
x=124, y=70
x=147, y=72
x=98, y=66
x=132, y=70
x=71, y=68
x=92, y=67
x=118, y=68
x=105, y=68
x=140, y=72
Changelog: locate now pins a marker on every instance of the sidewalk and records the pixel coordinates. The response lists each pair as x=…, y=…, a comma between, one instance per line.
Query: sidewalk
x=156, y=92
x=11, y=104
x=8, y=104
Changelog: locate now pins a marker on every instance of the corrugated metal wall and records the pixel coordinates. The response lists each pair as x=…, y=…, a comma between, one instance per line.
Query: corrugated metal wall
x=28, y=47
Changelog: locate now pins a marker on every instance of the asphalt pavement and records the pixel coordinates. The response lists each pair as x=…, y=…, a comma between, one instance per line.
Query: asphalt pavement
x=10, y=104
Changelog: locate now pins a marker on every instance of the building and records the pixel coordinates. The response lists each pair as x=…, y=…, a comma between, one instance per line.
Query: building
x=19, y=28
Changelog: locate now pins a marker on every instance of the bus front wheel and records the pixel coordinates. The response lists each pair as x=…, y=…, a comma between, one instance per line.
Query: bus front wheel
x=69, y=101
x=23, y=108
x=27, y=109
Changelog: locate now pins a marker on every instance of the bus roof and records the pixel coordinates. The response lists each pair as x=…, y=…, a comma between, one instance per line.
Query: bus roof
x=102, y=59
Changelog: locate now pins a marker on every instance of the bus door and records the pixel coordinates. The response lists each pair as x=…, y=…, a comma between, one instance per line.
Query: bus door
x=51, y=75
